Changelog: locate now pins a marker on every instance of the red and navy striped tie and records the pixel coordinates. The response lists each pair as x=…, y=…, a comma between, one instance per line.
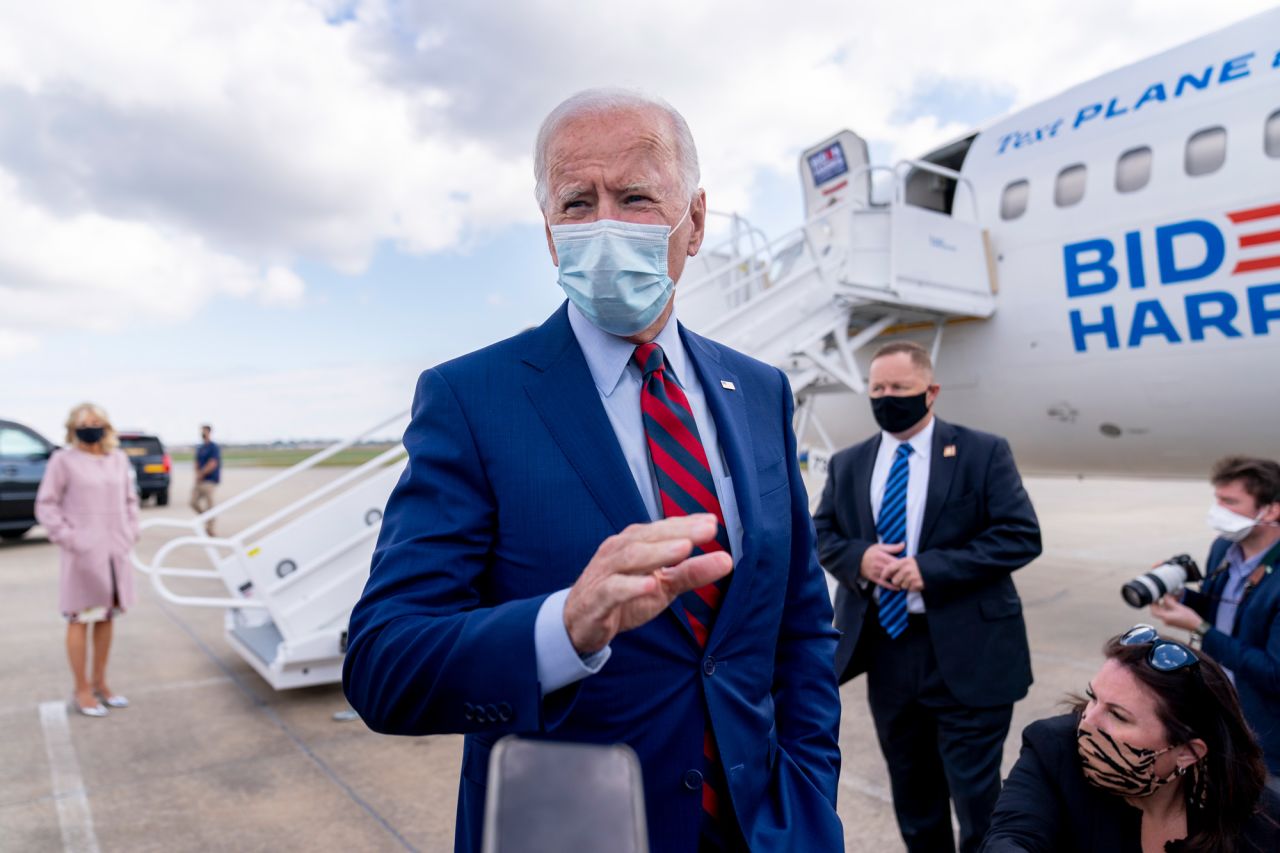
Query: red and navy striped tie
x=686, y=487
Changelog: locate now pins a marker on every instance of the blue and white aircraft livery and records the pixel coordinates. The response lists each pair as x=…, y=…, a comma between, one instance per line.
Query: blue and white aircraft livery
x=1138, y=328
x=1132, y=230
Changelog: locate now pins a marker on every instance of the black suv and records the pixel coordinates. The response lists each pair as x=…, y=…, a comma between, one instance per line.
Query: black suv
x=150, y=463
x=24, y=453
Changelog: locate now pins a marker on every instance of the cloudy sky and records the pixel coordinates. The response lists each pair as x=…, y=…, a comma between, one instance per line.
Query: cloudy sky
x=272, y=214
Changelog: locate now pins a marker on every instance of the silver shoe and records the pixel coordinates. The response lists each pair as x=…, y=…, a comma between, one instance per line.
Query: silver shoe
x=116, y=701
x=95, y=710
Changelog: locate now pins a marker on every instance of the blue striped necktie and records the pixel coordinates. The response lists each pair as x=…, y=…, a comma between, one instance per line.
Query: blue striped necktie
x=892, y=529
x=686, y=487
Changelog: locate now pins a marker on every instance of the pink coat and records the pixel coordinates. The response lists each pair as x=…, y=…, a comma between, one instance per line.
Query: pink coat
x=89, y=507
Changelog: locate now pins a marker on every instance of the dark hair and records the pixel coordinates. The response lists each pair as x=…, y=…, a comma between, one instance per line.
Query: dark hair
x=1260, y=477
x=919, y=355
x=206, y=426
x=1199, y=702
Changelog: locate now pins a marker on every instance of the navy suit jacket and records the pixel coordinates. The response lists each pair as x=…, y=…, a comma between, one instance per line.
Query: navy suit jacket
x=1251, y=652
x=978, y=527
x=514, y=479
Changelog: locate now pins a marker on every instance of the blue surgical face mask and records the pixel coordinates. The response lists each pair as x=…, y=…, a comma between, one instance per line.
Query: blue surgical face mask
x=616, y=272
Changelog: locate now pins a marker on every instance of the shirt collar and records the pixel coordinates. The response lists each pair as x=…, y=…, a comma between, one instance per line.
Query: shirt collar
x=608, y=355
x=1237, y=564
x=921, y=443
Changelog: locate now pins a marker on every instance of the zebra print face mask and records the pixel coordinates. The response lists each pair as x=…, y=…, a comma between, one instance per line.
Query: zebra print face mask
x=1118, y=767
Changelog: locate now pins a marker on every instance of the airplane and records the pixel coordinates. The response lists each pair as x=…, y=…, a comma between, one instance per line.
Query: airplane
x=1097, y=275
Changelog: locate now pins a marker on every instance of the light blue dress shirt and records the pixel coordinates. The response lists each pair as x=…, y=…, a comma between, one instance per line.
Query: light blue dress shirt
x=918, y=463
x=1238, y=571
x=618, y=382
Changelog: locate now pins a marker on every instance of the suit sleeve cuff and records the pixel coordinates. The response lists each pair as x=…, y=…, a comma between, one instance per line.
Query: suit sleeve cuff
x=559, y=664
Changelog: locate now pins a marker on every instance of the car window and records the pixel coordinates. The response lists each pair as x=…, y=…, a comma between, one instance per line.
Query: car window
x=19, y=443
x=142, y=446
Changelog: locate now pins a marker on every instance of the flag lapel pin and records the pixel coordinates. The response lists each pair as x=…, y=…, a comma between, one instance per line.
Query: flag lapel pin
x=948, y=451
x=727, y=385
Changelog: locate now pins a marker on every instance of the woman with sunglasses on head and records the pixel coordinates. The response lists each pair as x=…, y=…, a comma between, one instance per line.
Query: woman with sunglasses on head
x=88, y=503
x=1156, y=758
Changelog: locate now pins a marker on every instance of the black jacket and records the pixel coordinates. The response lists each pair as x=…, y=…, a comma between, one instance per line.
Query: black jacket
x=978, y=528
x=1047, y=806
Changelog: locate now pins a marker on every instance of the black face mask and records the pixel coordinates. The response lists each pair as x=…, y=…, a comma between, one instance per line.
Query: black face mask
x=899, y=414
x=90, y=435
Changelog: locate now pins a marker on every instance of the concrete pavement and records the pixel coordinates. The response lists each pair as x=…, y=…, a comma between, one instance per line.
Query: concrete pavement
x=210, y=758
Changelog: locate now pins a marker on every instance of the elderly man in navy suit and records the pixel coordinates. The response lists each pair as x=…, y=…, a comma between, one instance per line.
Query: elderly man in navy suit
x=922, y=524
x=602, y=535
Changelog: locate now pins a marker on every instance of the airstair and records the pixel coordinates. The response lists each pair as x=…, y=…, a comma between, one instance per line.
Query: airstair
x=289, y=581
x=858, y=269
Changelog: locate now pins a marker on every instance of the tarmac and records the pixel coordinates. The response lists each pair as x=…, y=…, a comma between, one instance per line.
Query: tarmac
x=210, y=758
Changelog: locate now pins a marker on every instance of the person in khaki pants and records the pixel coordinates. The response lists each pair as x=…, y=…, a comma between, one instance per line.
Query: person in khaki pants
x=208, y=474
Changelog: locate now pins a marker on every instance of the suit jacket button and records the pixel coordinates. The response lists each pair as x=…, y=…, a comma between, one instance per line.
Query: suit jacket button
x=504, y=712
x=468, y=711
x=491, y=713
x=709, y=665
x=693, y=780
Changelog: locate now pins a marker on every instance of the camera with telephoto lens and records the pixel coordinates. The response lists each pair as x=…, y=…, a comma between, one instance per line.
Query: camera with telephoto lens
x=1168, y=578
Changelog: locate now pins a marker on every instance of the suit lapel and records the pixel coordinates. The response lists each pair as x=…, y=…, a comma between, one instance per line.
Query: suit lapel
x=942, y=470
x=864, y=463
x=728, y=409
x=565, y=397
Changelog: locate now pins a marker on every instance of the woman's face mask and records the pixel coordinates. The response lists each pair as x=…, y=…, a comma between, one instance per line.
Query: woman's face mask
x=90, y=435
x=1119, y=767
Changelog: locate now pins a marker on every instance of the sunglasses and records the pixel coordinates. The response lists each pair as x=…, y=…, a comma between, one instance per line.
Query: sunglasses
x=1165, y=655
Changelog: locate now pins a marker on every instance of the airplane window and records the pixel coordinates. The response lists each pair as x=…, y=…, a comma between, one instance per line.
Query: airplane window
x=1272, y=136
x=1133, y=170
x=1069, y=188
x=1013, y=203
x=1206, y=151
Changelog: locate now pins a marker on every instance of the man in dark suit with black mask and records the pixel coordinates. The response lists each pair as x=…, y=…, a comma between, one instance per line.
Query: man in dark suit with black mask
x=923, y=524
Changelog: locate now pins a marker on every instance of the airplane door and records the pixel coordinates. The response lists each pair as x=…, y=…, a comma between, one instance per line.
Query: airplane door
x=834, y=171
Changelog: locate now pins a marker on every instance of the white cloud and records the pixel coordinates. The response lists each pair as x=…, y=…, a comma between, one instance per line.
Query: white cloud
x=155, y=155
x=283, y=287
x=16, y=343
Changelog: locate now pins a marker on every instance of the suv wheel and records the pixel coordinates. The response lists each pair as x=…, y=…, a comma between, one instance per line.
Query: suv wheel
x=162, y=497
x=13, y=535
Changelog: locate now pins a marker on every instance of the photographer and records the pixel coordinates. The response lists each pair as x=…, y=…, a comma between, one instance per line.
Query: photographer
x=1236, y=613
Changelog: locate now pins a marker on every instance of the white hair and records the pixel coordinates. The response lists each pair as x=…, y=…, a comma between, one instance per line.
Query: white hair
x=606, y=100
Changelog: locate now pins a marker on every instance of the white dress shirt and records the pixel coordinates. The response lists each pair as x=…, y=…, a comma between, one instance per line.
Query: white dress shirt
x=618, y=381
x=917, y=490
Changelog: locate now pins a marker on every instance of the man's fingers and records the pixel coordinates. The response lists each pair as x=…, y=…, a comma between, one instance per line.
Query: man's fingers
x=697, y=528
x=895, y=548
x=695, y=572
x=642, y=557
x=622, y=589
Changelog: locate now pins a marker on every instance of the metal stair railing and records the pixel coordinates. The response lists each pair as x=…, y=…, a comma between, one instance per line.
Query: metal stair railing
x=239, y=545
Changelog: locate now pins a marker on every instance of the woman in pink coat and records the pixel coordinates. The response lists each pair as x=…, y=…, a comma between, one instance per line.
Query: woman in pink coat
x=89, y=505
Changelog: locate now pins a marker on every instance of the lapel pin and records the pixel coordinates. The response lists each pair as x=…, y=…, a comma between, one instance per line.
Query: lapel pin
x=727, y=385
x=948, y=451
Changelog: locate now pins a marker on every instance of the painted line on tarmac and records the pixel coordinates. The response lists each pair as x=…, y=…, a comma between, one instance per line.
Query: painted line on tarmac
x=74, y=818
x=275, y=718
